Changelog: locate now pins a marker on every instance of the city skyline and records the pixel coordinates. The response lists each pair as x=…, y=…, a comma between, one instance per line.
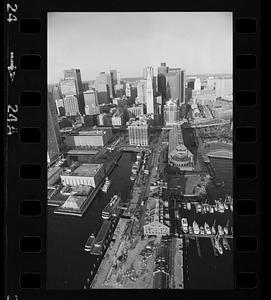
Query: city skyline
x=180, y=39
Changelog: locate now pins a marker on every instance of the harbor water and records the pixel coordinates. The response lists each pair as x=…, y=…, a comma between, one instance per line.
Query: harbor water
x=69, y=266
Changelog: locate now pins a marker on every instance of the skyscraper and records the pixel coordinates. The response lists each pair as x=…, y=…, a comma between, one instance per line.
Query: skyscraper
x=76, y=75
x=149, y=94
x=90, y=97
x=141, y=91
x=104, y=86
x=175, y=84
x=53, y=131
x=161, y=80
x=71, y=105
x=68, y=87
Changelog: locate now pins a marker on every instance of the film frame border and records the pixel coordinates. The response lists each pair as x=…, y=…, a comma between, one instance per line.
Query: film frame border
x=246, y=223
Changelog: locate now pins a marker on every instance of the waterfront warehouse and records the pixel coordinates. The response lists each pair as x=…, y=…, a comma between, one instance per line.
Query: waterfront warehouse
x=92, y=137
x=85, y=174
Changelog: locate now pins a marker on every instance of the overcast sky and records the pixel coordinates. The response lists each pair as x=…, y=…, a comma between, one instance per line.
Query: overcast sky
x=201, y=43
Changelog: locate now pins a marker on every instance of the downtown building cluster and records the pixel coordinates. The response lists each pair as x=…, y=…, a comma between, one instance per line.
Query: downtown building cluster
x=166, y=98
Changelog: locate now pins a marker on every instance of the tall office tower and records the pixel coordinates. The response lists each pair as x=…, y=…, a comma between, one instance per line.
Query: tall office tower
x=175, y=85
x=76, y=75
x=118, y=77
x=149, y=95
x=71, y=105
x=128, y=89
x=90, y=97
x=114, y=76
x=163, y=69
x=139, y=133
x=171, y=113
x=68, y=87
x=102, y=85
x=148, y=71
x=197, y=84
x=141, y=91
x=53, y=131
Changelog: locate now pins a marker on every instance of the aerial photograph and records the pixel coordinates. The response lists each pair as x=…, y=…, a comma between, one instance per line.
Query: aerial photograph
x=139, y=150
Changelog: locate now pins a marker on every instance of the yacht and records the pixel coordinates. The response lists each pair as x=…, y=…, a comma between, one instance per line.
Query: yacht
x=202, y=230
x=213, y=230
x=106, y=185
x=198, y=208
x=218, y=246
x=226, y=206
x=184, y=225
x=207, y=228
x=190, y=229
x=212, y=209
x=220, y=230
x=133, y=177
x=195, y=227
x=225, y=244
x=188, y=205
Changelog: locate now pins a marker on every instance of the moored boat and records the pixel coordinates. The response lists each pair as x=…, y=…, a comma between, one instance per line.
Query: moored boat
x=106, y=185
x=184, y=225
x=190, y=230
x=225, y=244
x=220, y=230
x=207, y=228
x=90, y=242
x=218, y=246
x=195, y=227
x=188, y=205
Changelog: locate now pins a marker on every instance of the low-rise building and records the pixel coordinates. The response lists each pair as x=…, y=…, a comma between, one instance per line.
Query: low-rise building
x=136, y=110
x=85, y=174
x=91, y=137
x=154, y=221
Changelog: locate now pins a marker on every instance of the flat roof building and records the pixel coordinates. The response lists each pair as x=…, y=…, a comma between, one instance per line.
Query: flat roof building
x=139, y=133
x=91, y=137
x=85, y=174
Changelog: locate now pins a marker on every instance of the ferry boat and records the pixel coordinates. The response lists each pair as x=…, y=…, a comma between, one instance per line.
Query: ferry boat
x=202, y=230
x=195, y=227
x=90, y=242
x=225, y=244
x=106, y=185
x=188, y=205
x=184, y=225
x=218, y=246
x=207, y=228
x=110, y=207
x=220, y=230
x=190, y=229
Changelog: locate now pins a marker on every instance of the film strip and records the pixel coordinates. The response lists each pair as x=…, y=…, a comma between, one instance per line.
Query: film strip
x=26, y=144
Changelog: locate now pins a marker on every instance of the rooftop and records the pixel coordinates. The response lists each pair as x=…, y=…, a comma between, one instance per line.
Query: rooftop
x=86, y=170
